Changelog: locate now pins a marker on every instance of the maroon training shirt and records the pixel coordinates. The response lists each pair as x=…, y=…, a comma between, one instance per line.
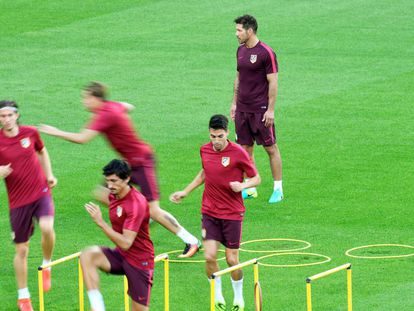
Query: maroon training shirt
x=253, y=64
x=132, y=213
x=27, y=182
x=220, y=168
x=113, y=121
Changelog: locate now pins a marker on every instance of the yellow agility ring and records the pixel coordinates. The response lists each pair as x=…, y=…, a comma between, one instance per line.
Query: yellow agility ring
x=348, y=252
x=307, y=245
x=187, y=260
x=325, y=260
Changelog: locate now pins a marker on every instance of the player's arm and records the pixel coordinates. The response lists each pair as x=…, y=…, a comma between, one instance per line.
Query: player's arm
x=5, y=170
x=234, y=101
x=44, y=160
x=101, y=194
x=269, y=116
x=129, y=107
x=251, y=182
x=176, y=197
x=124, y=240
x=83, y=137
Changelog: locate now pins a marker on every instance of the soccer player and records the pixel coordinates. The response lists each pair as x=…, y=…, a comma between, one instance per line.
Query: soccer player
x=26, y=169
x=111, y=119
x=253, y=105
x=224, y=165
x=133, y=255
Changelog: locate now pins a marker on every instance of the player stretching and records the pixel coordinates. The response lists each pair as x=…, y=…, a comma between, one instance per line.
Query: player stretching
x=26, y=168
x=134, y=252
x=253, y=105
x=224, y=164
x=111, y=119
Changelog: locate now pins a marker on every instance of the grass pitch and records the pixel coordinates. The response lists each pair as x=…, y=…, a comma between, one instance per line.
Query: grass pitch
x=344, y=123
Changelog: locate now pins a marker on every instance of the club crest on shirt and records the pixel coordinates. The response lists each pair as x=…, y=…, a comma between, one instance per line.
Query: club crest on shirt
x=253, y=58
x=119, y=211
x=225, y=161
x=25, y=142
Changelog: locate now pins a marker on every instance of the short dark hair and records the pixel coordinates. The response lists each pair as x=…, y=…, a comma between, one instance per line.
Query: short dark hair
x=97, y=89
x=120, y=168
x=247, y=21
x=218, y=122
x=8, y=103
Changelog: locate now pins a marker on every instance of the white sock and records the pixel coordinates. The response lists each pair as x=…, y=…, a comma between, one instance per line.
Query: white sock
x=23, y=293
x=277, y=184
x=45, y=262
x=238, y=292
x=186, y=236
x=218, y=294
x=96, y=300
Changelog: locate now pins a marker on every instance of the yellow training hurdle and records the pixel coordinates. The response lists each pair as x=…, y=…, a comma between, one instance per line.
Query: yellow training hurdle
x=257, y=289
x=162, y=257
x=326, y=273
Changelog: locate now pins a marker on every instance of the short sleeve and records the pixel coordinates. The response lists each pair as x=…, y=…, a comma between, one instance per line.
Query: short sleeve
x=247, y=165
x=99, y=122
x=38, y=142
x=271, y=65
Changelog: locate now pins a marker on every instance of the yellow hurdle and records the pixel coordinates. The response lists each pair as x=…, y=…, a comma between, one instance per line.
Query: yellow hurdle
x=347, y=267
x=253, y=262
x=162, y=257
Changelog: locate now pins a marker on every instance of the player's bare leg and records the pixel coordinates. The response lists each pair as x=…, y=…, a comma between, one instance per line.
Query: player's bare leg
x=232, y=258
x=276, y=167
x=169, y=222
x=138, y=307
x=91, y=260
x=20, y=264
x=249, y=193
x=48, y=243
x=210, y=254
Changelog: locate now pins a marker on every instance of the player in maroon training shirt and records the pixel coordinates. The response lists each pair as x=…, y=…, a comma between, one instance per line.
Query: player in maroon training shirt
x=253, y=105
x=111, y=120
x=133, y=255
x=26, y=168
x=224, y=165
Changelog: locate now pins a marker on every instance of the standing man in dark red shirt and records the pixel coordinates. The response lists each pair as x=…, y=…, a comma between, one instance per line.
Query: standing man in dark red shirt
x=253, y=105
x=26, y=168
x=133, y=255
x=111, y=119
x=224, y=165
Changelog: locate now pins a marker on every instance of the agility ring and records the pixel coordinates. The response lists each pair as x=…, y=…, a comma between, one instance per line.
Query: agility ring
x=325, y=260
x=348, y=252
x=307, y=245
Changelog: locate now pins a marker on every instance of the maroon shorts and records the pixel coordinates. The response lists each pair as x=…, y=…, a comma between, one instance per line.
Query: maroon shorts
x=145, y=177
x=227, y=232
x=250, y=128
x=139, y=281
x=22, y=218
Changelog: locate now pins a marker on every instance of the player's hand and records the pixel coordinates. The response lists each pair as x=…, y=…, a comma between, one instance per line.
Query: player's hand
x=176, y=197
x=95, y=212
x=236, y=186
x=47, y=129
x=52, y=181
x=5, y=170
x=233, y=111
x=268, y=118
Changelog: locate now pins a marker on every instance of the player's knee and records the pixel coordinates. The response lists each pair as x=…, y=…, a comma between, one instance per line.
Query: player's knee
x=87, y=256
x=232, y=260
x=210, y=257
x=22, y=251
x=271, y=150
x=46, y=225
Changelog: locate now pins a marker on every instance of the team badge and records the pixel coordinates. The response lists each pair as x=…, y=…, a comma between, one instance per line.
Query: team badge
x=253, y=58
x=119, y=211
x=225, y=161
x=25, y=142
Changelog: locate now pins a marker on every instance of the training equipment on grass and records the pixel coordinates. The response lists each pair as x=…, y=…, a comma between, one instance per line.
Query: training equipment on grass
x=346, y=267
x=325, y=260
x=306, y=245
x=162, y=257
x=348, y=252
x=257, y=289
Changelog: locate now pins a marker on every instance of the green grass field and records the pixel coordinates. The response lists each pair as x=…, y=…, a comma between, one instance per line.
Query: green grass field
x=344, y=122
